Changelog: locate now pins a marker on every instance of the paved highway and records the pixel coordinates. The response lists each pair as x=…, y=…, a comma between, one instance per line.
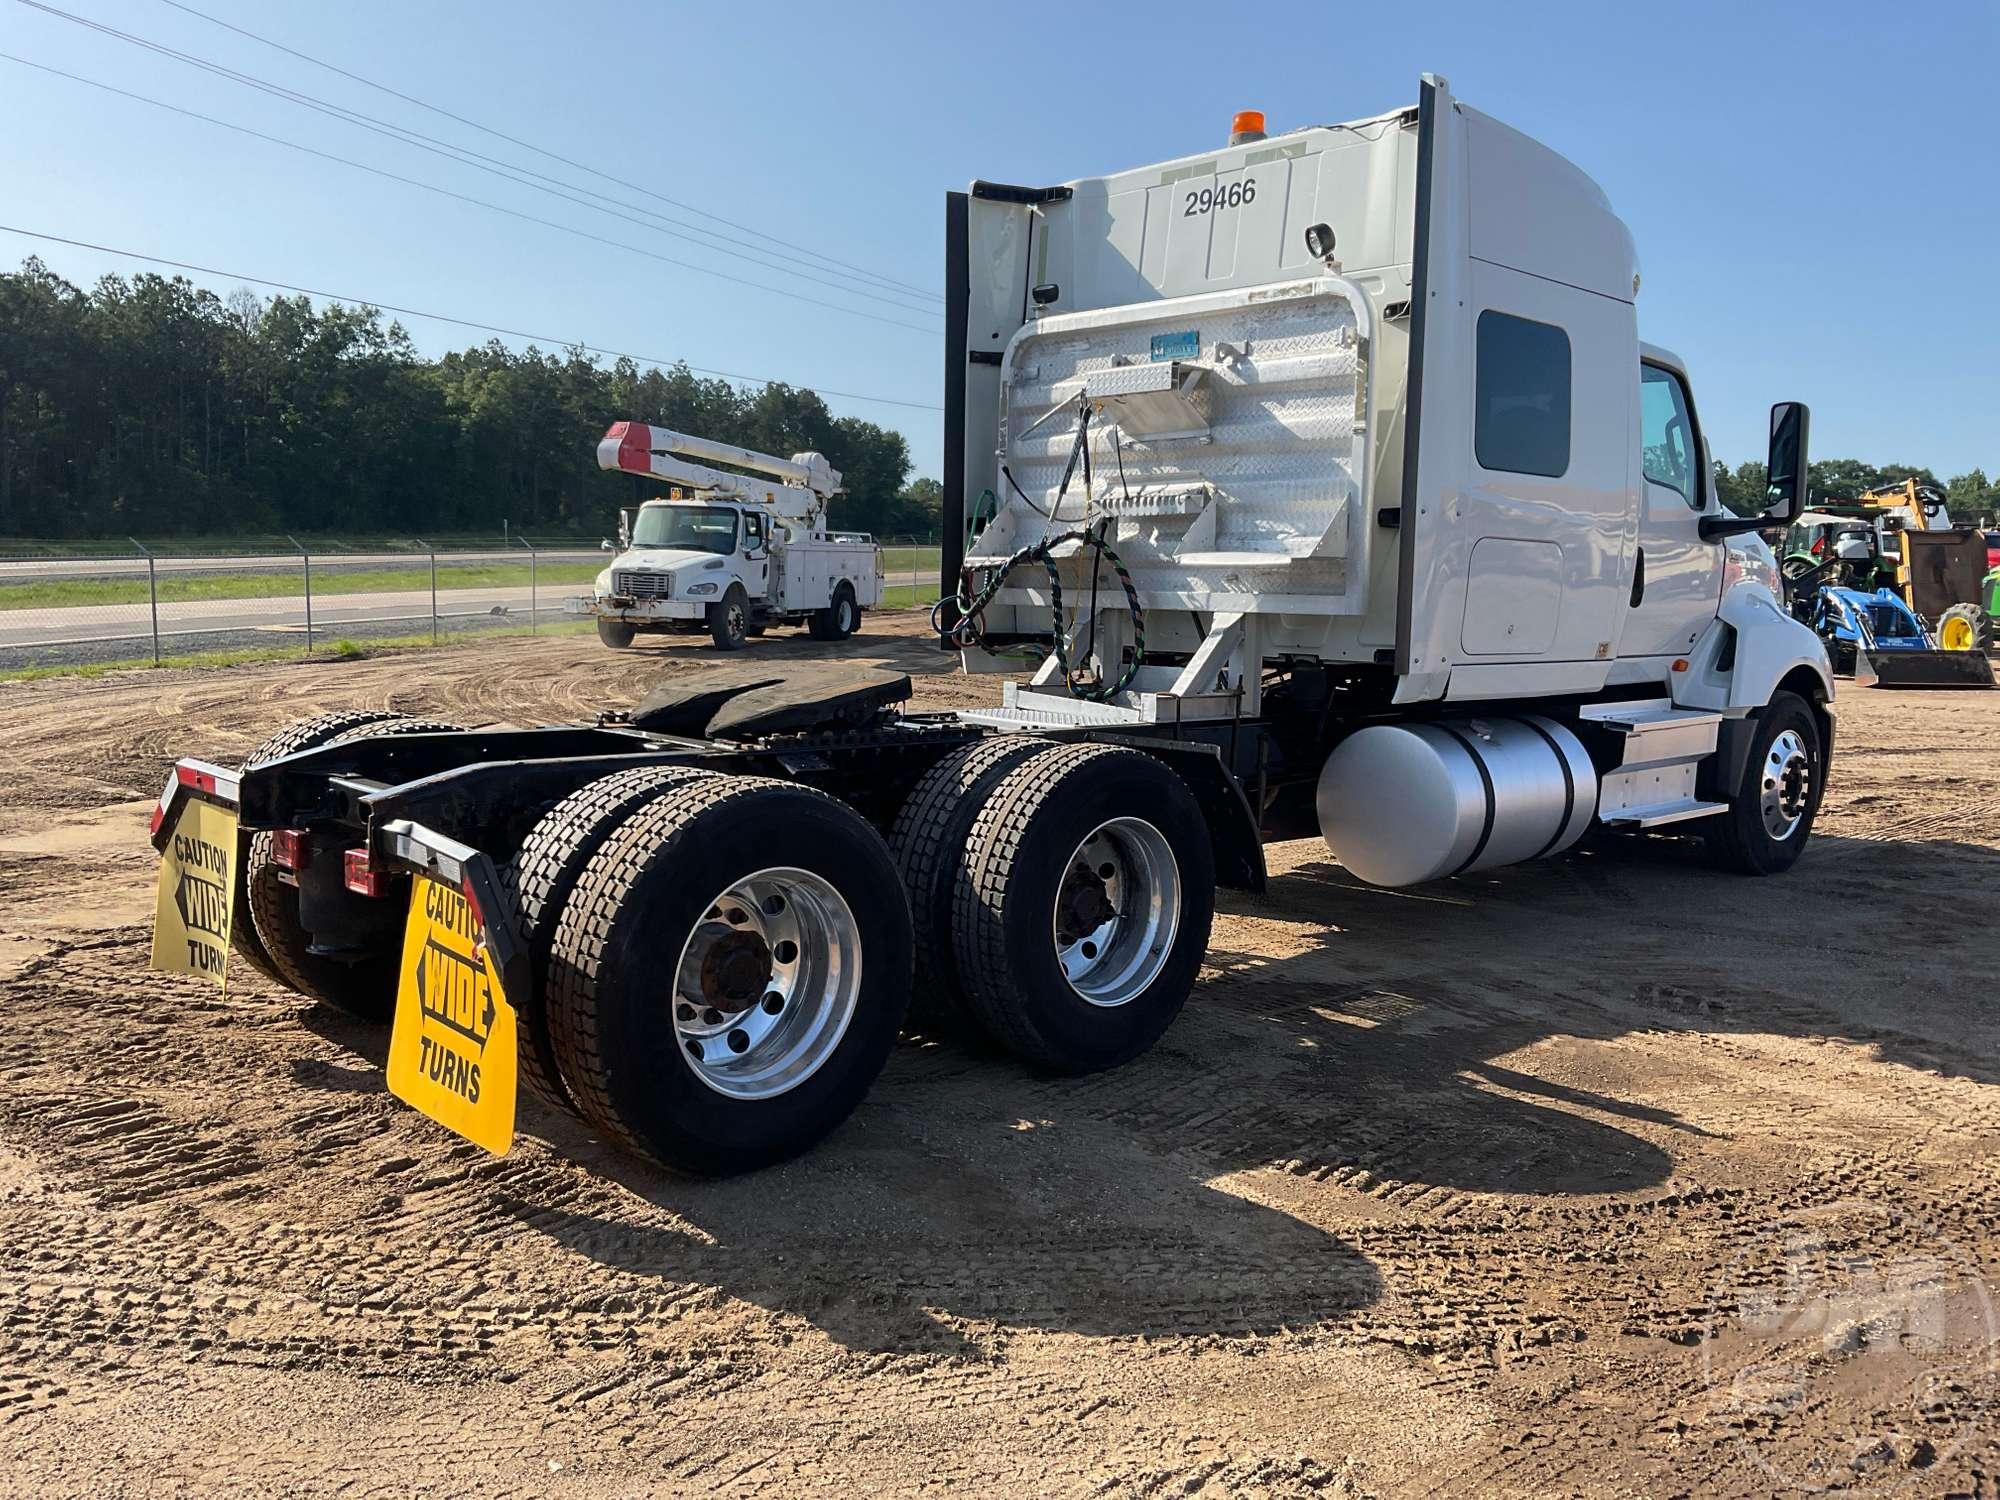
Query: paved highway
x=31, y=569
x=28, y=628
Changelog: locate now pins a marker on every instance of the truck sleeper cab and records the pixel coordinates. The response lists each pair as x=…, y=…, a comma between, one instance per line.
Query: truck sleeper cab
x=1325, y=489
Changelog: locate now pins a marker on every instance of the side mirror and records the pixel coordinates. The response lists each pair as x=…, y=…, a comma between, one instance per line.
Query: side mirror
x=625, y=530
x=605, y=546
x=1785, y=477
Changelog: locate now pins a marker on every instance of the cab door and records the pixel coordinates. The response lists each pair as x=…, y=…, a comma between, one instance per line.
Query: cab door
x=756, y=553
x=1677, y=577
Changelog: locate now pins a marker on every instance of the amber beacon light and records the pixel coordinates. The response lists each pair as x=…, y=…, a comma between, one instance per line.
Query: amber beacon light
x=1247, y=126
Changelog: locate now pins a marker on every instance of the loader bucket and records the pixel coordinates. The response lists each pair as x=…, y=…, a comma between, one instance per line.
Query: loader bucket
x=1919, y=669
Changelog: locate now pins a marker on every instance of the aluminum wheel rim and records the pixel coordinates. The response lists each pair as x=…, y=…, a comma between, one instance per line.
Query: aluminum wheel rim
x=767, y=983
x=738, y=619
x=1787, y=785
x=1117, y=908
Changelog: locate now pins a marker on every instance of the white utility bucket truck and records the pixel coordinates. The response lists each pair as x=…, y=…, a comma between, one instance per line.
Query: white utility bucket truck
x=1333, y=494
x=730, y=553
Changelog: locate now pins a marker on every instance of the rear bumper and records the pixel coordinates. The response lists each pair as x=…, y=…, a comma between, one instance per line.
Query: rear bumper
x=400, y=845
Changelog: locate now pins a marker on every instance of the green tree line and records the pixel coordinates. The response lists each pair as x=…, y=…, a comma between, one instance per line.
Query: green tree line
x=151, y=407
x=1971, y=498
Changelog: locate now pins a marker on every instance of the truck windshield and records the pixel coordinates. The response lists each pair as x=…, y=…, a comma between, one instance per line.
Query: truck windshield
x=705, y=528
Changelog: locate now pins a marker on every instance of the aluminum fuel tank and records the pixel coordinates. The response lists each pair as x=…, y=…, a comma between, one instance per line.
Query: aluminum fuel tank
x=1400, y=804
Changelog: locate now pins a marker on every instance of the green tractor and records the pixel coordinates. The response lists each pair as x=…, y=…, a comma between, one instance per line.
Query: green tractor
x=1900, y=538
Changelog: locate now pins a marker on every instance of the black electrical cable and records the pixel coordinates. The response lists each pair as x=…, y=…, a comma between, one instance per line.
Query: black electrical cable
x=466, y=156
x=431, y=187
x=964, y=632
x=762, y=234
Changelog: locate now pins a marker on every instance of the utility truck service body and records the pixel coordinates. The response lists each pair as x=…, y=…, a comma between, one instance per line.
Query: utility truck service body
x=736, y=553
x=1332, y=492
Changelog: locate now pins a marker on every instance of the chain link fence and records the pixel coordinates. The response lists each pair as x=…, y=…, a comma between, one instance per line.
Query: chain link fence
x=164, y=603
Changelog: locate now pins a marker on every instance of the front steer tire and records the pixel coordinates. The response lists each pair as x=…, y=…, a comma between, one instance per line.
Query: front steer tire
x=729, y=620
x=1786, y=769
x=268, y=905
x=542, y=876
x=656, y=887
x=1033, y=850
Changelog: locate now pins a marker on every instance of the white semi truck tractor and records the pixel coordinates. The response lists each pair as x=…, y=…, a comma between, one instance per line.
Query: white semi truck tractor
x=729, y=552
x=1329, y=491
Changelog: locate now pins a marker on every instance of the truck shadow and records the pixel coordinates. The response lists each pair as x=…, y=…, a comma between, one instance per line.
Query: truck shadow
x=1381, y=1046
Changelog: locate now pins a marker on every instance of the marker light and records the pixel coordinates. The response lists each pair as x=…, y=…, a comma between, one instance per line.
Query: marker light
x=357, y=875
x=291, y=849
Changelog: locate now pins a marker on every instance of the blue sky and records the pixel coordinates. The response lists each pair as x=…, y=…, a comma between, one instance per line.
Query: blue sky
x=1813, y=188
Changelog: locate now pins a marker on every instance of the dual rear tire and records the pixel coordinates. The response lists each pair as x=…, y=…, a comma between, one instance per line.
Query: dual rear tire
x=721, y=964
x=728, y=973
x=1063, y=895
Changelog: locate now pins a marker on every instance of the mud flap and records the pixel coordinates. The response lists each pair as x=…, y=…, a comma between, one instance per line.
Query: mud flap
x=453, y=1054
x=1918, y=669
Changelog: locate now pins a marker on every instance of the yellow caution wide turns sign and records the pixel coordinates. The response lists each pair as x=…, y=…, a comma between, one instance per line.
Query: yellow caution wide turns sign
x=452, y=1054
x=197, y=895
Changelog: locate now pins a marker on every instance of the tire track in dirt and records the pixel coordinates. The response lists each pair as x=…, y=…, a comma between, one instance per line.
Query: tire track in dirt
x=1442, y=1180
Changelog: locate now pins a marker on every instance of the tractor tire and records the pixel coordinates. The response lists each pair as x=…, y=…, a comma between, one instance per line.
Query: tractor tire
x=540, y=879
x=308, y=734
x=840, y=619
x=616, y=634
x=1965, y=627
x=729, y=620
x=1771, y=813
x=270, y=906
x=729, y=974
x=928, y=843
x=1076, y=953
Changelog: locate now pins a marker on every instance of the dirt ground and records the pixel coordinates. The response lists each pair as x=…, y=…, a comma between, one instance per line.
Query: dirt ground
x=1603, y=1176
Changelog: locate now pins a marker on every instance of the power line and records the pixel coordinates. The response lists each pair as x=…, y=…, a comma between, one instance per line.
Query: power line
x=412, y=312
x=430, y=187
x=494, y=166
x=526, y=145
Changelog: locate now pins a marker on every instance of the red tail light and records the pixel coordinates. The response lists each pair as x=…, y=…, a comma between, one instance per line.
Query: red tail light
x=359, y=877
x=201, y=781
x=472, y=910
x=291, y=849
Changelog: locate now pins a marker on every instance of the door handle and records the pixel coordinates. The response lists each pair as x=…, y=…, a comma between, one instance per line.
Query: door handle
x=1639, y=580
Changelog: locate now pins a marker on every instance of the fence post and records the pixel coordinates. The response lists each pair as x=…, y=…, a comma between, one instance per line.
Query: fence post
x=152, y=593
x=434, y=595
x=534, y=586
x=305, y=557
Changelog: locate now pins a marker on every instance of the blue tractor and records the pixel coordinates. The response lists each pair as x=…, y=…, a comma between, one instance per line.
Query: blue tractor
x=1875, y=637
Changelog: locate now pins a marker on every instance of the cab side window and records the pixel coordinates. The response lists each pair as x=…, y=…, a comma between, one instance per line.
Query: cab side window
x=1521, y=395
x=1666, y=433
x=753, y=533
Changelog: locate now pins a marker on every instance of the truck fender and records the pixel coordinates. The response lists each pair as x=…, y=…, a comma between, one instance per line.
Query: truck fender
x=1232, y=826
x=1751, y=650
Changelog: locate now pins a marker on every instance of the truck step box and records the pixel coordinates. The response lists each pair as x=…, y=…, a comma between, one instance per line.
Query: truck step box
x=1662, y=748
